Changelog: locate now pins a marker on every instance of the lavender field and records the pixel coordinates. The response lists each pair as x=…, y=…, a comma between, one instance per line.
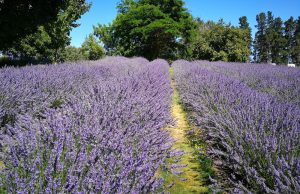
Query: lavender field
x=250, y=118
x=100, y=127
x=84, y=128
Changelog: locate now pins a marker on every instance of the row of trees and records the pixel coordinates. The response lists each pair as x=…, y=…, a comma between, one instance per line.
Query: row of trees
x=165, y=29
x=34, y=33
x=221, y=41
x=90, y=49
x=277, y=41
x=148, y=28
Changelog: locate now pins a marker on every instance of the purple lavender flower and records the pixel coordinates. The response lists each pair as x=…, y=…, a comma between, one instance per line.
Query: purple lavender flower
x=251, y=119
x=93, y=127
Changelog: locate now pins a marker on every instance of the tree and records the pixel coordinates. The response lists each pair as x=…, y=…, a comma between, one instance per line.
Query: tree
x=237, y=48
x=244, y=25
x=19, y=18
x=148, y=28
x=105, y=33
x=261, y=46
x=269, y=33
x=277, y=41
x=200, y=48
x=91, y=49
x=174, y=8
x=59, y=31
x=124, y=5
x=289, y=31
x=72, y=53
x=49, y=42
x=296, y=46
x=184, y=23
x=33, y=47
x=273, y=41
x=220, y=41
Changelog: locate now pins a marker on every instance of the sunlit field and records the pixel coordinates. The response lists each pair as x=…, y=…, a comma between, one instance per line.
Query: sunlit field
x=149, y=97
x=106, y=126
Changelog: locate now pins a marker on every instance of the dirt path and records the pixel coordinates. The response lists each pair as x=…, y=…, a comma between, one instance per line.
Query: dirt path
x=193, y=175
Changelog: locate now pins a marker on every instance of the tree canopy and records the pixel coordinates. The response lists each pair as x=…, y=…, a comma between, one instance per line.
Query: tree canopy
x=165, y=29
x=244, y=24
x=220, y=41
x=31, y=31
x=50, y=39
x=91, y=48
x=19, y=18
x=276, y=41
x=148, y=28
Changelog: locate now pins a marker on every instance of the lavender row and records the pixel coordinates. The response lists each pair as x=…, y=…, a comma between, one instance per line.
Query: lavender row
x=255, y=137
x=85, y=128
x=280, y=81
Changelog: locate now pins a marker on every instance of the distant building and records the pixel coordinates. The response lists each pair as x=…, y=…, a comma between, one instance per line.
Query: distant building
x=291, y=65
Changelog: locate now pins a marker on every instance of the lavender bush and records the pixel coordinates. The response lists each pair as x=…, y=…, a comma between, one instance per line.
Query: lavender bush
x=254, y=135
x=280, y=81
x=84, y=128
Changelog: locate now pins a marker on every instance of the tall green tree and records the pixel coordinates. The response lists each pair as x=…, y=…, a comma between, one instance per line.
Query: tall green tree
x=244, y=25
x=275, y=39
x=72, y=53
x=220, y=41
x=289, y=31
x=269, y=33
x=243, y=22
x=277, y=42
x=59, y=31
x=91, y=48
x=32, y=47
x=105, y=33
x=19, y=18
x=296, y=46
x=49, y=42
x=148, y=28
x=200, y=48
x=261, y=45
x=124, y=5
x=174, y=8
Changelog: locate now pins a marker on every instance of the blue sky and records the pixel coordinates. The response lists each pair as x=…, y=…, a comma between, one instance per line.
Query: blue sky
x=104, y=11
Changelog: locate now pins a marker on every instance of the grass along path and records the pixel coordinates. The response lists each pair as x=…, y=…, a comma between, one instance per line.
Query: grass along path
x=194, y=175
